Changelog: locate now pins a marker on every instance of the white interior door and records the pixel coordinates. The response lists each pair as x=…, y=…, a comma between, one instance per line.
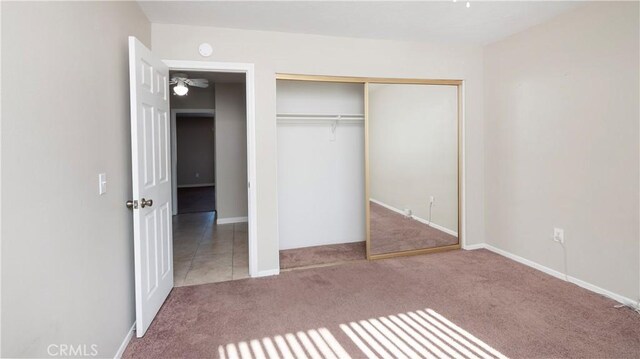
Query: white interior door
x=150, y=156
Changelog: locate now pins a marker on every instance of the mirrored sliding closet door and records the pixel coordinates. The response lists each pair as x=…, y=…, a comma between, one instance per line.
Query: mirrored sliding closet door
x=413, y=168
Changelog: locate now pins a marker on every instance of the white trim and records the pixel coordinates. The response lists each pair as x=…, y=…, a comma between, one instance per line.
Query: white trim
x=205, y=112
x=0, y=185
x=196, y=185
x=436, y=226
x=125, y=341
x=249, y=70
x=526, y=262
x=552, y=272
x=471, y=247
x=386, y=206
x=462, y=212
x=421, y=220
x=232, y=220
x=267, y=273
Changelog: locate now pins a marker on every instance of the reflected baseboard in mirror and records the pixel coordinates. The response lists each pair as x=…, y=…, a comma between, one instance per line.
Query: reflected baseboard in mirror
x=412, y=168
x=393, y=231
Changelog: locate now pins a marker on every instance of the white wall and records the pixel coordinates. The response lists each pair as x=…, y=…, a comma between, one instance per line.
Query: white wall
x=67, y=253
x=319, y=97
x=413, y=149
x=273, y=52
x=320, y=176
x=231, y=151
x=562, y=143
x=195, y=140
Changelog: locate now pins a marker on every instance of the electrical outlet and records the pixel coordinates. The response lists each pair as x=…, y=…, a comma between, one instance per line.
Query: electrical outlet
x=558, y=235
x=407, y=212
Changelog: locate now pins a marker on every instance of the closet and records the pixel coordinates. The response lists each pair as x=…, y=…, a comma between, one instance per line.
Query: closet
x=369, y=159
x=321, y=167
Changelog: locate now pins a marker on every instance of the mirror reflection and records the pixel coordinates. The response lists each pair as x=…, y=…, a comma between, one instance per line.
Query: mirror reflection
x=413, y=167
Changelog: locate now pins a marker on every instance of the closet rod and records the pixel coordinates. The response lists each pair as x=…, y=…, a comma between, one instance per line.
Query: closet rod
x=318, y=118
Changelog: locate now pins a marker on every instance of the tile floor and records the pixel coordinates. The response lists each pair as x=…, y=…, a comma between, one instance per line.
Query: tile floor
x=205, y=252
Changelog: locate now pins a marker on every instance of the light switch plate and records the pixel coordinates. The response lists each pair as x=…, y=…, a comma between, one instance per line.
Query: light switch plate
x=102, y=183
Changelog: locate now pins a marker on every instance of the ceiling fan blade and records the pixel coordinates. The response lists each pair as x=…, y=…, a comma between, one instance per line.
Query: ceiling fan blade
x=204, y=83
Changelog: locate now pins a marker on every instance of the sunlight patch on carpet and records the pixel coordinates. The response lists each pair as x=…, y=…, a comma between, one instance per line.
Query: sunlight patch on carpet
x=416, y=335
x=412, y=335
x=314, y=344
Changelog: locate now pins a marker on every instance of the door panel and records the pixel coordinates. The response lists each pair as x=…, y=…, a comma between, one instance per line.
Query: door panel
x=153, y=249
x=163, y=146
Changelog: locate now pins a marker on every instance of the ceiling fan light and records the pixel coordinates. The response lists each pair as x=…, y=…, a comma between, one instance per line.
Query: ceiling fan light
x=180, y=89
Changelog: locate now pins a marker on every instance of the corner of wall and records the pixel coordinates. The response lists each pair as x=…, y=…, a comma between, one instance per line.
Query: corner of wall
x=549, y=61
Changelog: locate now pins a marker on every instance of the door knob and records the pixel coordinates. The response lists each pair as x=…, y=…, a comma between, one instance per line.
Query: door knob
x=131, y=204
x=146, y=202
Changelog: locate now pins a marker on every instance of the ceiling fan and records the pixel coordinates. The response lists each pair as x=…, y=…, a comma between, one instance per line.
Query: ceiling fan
x=181, y=81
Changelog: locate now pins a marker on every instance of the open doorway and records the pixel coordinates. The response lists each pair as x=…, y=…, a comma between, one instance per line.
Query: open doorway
x=194, y=161
x=209, y=166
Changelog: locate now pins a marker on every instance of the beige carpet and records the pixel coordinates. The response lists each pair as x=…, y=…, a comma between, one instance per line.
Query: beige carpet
x=393, y=232
x=322, y=255
x=428, y=304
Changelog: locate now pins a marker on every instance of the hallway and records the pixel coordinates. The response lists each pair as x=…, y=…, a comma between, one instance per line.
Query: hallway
x=205, y=252
x=196, y=199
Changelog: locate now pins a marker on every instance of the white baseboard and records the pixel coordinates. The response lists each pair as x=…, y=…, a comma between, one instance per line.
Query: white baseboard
x=232, y=220
x=268, y=272
x=421, y=220
x=196, y=185
x=552, y=272
x=436, y=226
x=470, y=247
x=125, y=342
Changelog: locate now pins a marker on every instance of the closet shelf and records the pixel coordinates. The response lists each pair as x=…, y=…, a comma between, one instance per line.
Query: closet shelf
x=307, y=118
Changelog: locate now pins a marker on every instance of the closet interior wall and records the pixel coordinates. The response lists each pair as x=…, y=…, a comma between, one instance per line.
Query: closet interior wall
x=320, y=163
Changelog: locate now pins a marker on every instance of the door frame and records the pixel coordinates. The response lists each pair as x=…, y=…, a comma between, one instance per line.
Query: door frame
x=249, y=71
x=174, y=148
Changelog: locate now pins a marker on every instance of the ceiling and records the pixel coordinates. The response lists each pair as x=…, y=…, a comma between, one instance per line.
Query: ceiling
x=442, y=21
